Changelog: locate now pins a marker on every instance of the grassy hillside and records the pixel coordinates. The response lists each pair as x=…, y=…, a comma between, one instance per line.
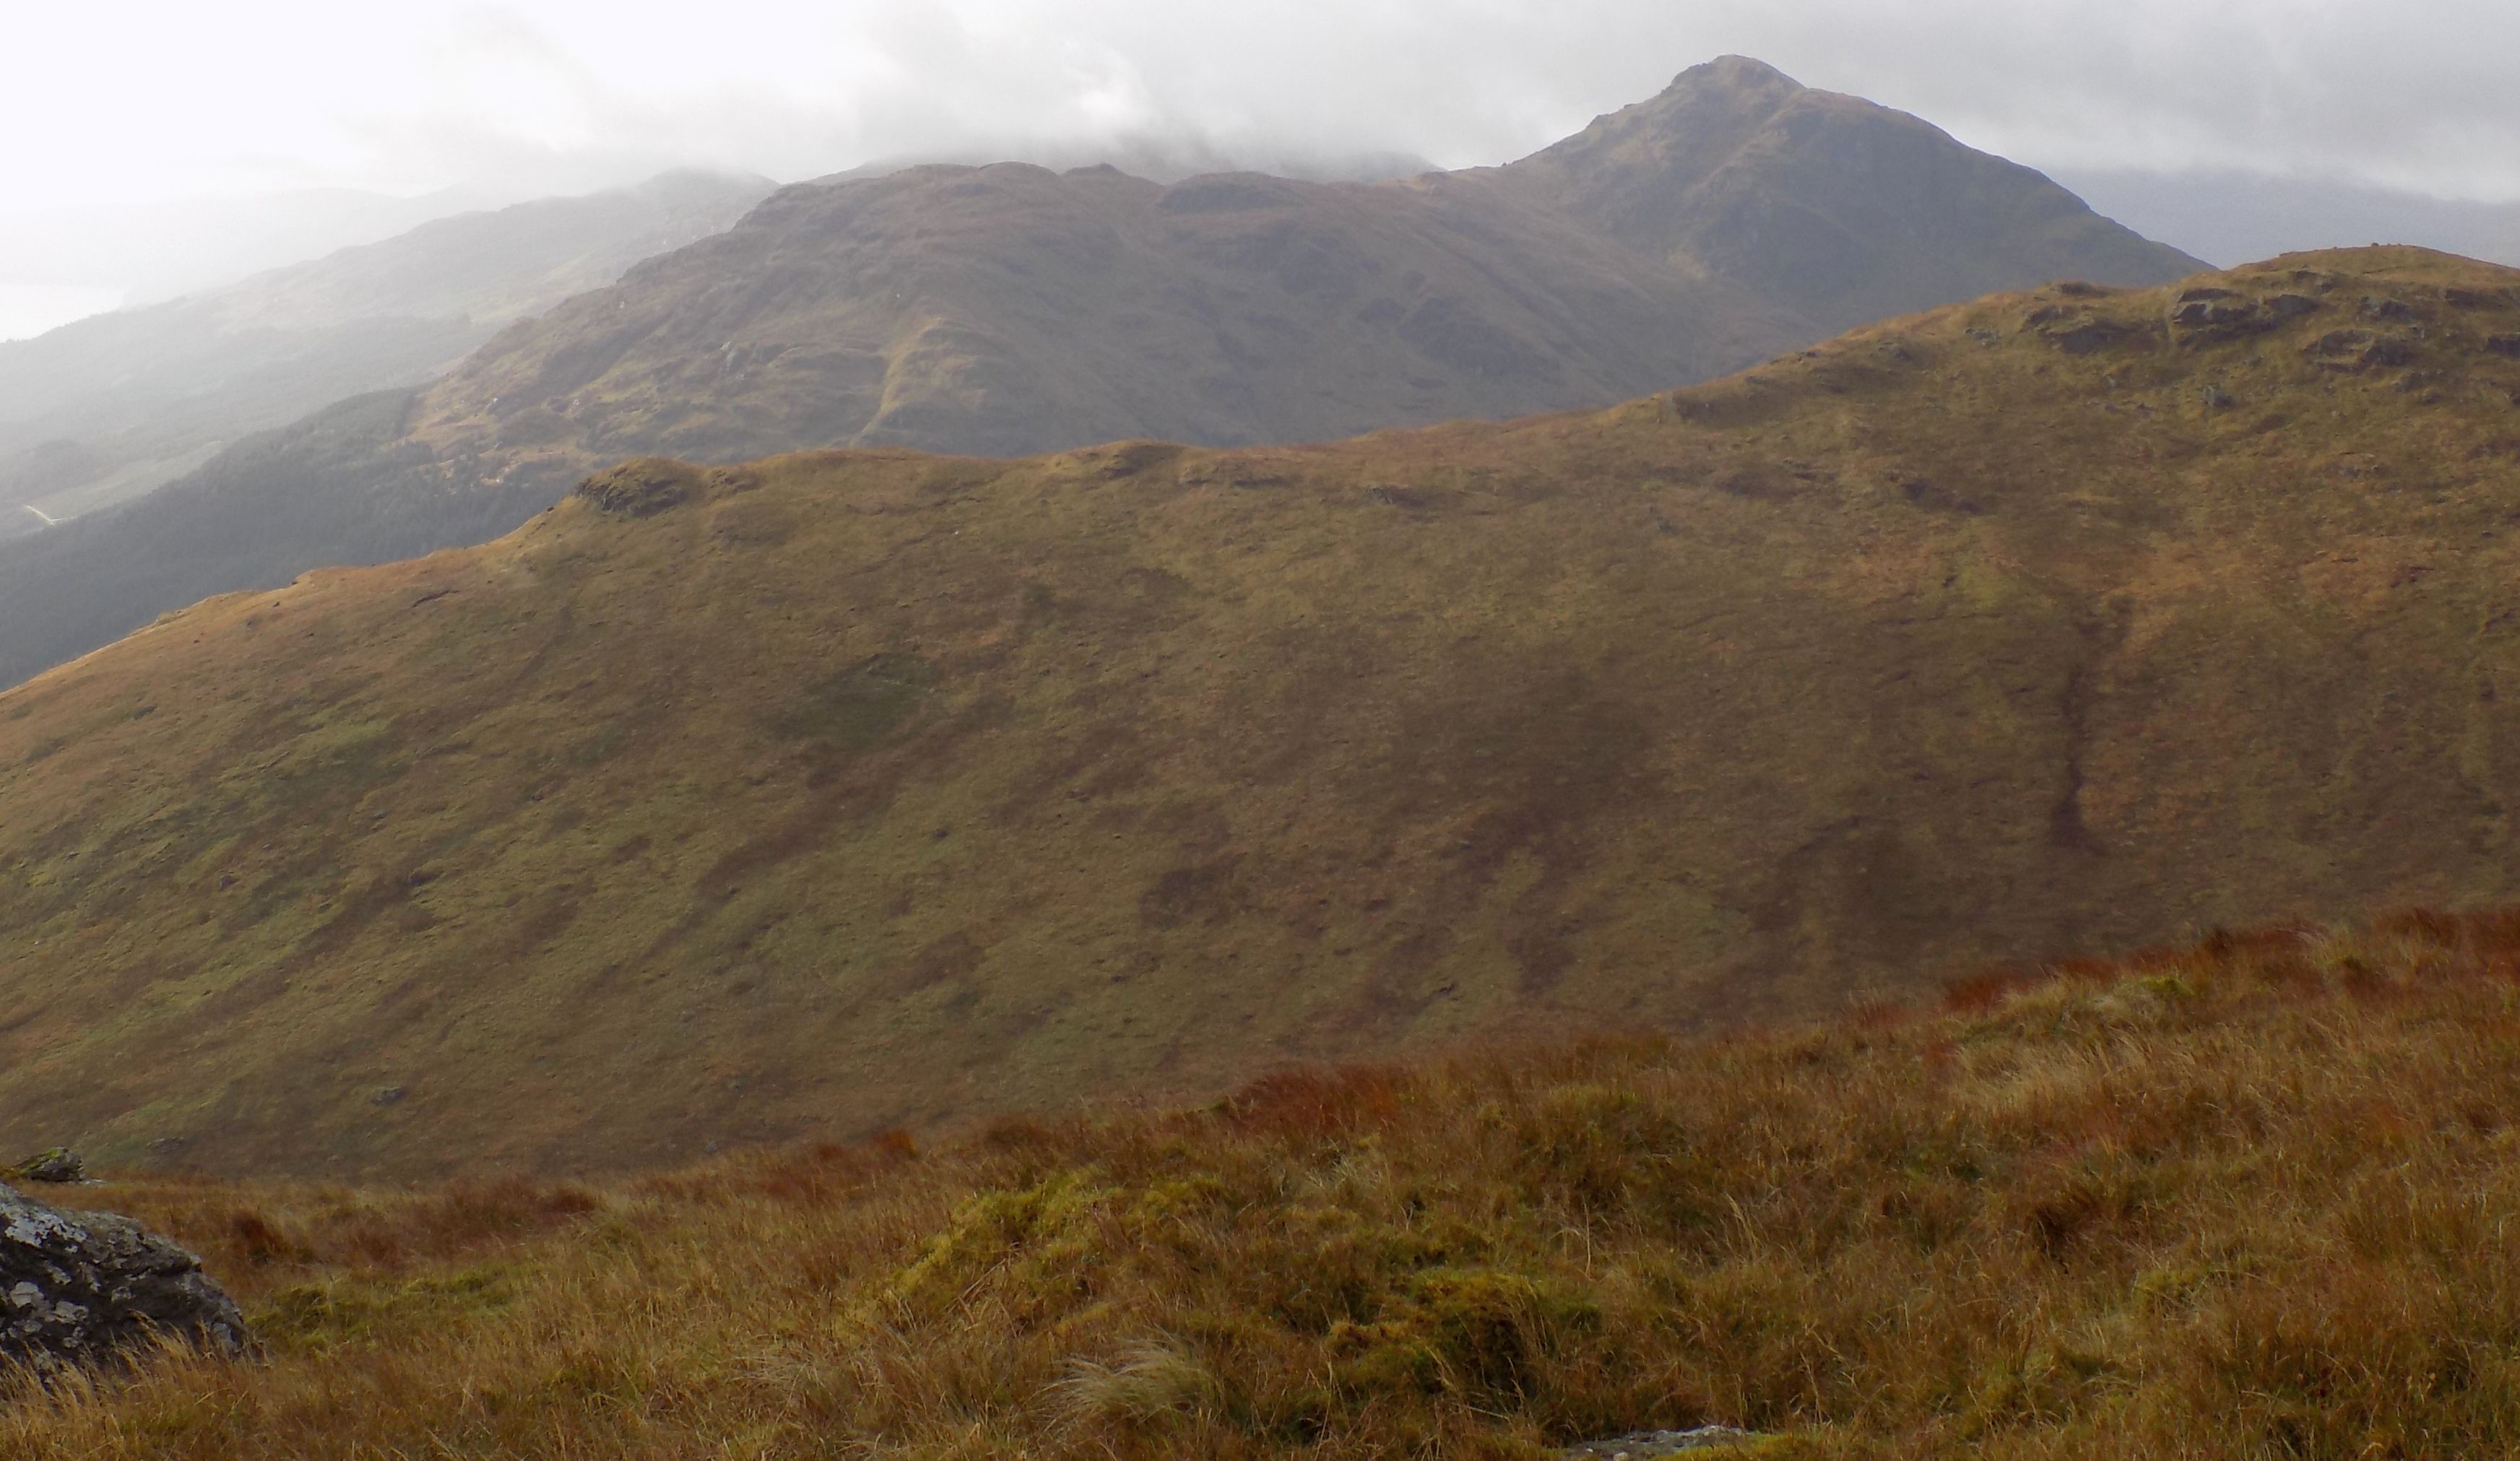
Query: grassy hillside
x=2246, y=1199
x=860, y=790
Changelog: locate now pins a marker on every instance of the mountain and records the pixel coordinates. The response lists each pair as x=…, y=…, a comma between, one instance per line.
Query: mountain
x=851, y=790
x=110, y=408
x=1012, y=310
x=1835, y=207
x=2231, y=216
x=2230, y=1200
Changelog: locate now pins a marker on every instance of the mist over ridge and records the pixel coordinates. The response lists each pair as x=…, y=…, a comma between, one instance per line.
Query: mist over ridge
x=423, y=108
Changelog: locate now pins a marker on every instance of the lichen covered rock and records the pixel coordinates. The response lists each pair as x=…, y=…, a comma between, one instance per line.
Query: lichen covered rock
x=88, y=1289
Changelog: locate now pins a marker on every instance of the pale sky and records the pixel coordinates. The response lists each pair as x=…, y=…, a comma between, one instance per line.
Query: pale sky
x=120, y=100
x=116, y=99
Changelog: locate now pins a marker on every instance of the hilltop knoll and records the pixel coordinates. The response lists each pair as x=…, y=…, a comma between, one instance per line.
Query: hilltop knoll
x=845, y=792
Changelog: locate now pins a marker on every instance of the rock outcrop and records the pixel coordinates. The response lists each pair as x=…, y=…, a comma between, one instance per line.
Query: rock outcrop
x=88, y=1289
x=53, y=1164
x=1705, y=1440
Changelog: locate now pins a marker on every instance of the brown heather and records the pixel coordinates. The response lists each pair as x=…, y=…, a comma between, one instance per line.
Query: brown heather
x=2252, y=1199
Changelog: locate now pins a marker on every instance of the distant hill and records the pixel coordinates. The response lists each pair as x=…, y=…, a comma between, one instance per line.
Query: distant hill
x=2231, y=216
x=848, y=790
x=108, y=409
x=1009, y=309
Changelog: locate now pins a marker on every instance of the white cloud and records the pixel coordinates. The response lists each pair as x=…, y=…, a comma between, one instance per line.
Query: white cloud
x=154, y=99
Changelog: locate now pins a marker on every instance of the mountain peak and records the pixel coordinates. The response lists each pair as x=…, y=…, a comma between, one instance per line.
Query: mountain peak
x=1735, y=73
x=1842, y=210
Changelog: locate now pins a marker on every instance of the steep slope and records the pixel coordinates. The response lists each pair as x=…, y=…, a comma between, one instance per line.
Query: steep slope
x=1828, y=205
x=107, y=409
x=858, y=789
x=1010, y=310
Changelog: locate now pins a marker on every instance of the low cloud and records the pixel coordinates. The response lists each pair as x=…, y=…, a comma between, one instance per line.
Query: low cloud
x=541, y=94
x=2415, y=95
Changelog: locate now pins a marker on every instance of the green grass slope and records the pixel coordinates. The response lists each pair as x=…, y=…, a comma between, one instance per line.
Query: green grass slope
x=2243, y=1200
x=857, y=790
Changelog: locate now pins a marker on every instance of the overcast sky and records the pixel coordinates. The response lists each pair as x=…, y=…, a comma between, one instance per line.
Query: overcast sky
x=118, y=101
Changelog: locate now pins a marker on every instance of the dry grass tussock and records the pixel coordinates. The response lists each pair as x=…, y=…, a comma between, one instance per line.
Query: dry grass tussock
x=2250, y=1199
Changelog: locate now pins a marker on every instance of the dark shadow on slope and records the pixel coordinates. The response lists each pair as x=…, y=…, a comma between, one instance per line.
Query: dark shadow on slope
x=337, y=488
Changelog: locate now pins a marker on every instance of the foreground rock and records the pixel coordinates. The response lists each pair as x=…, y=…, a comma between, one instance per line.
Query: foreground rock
x=88, y=1289
x=1704, y=1441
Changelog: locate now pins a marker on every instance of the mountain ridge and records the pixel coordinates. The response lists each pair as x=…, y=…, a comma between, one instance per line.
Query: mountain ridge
x=1010, y=310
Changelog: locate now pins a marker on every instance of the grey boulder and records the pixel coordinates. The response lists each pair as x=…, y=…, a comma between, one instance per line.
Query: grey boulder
x=93, y=1289
x=58, y=1164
